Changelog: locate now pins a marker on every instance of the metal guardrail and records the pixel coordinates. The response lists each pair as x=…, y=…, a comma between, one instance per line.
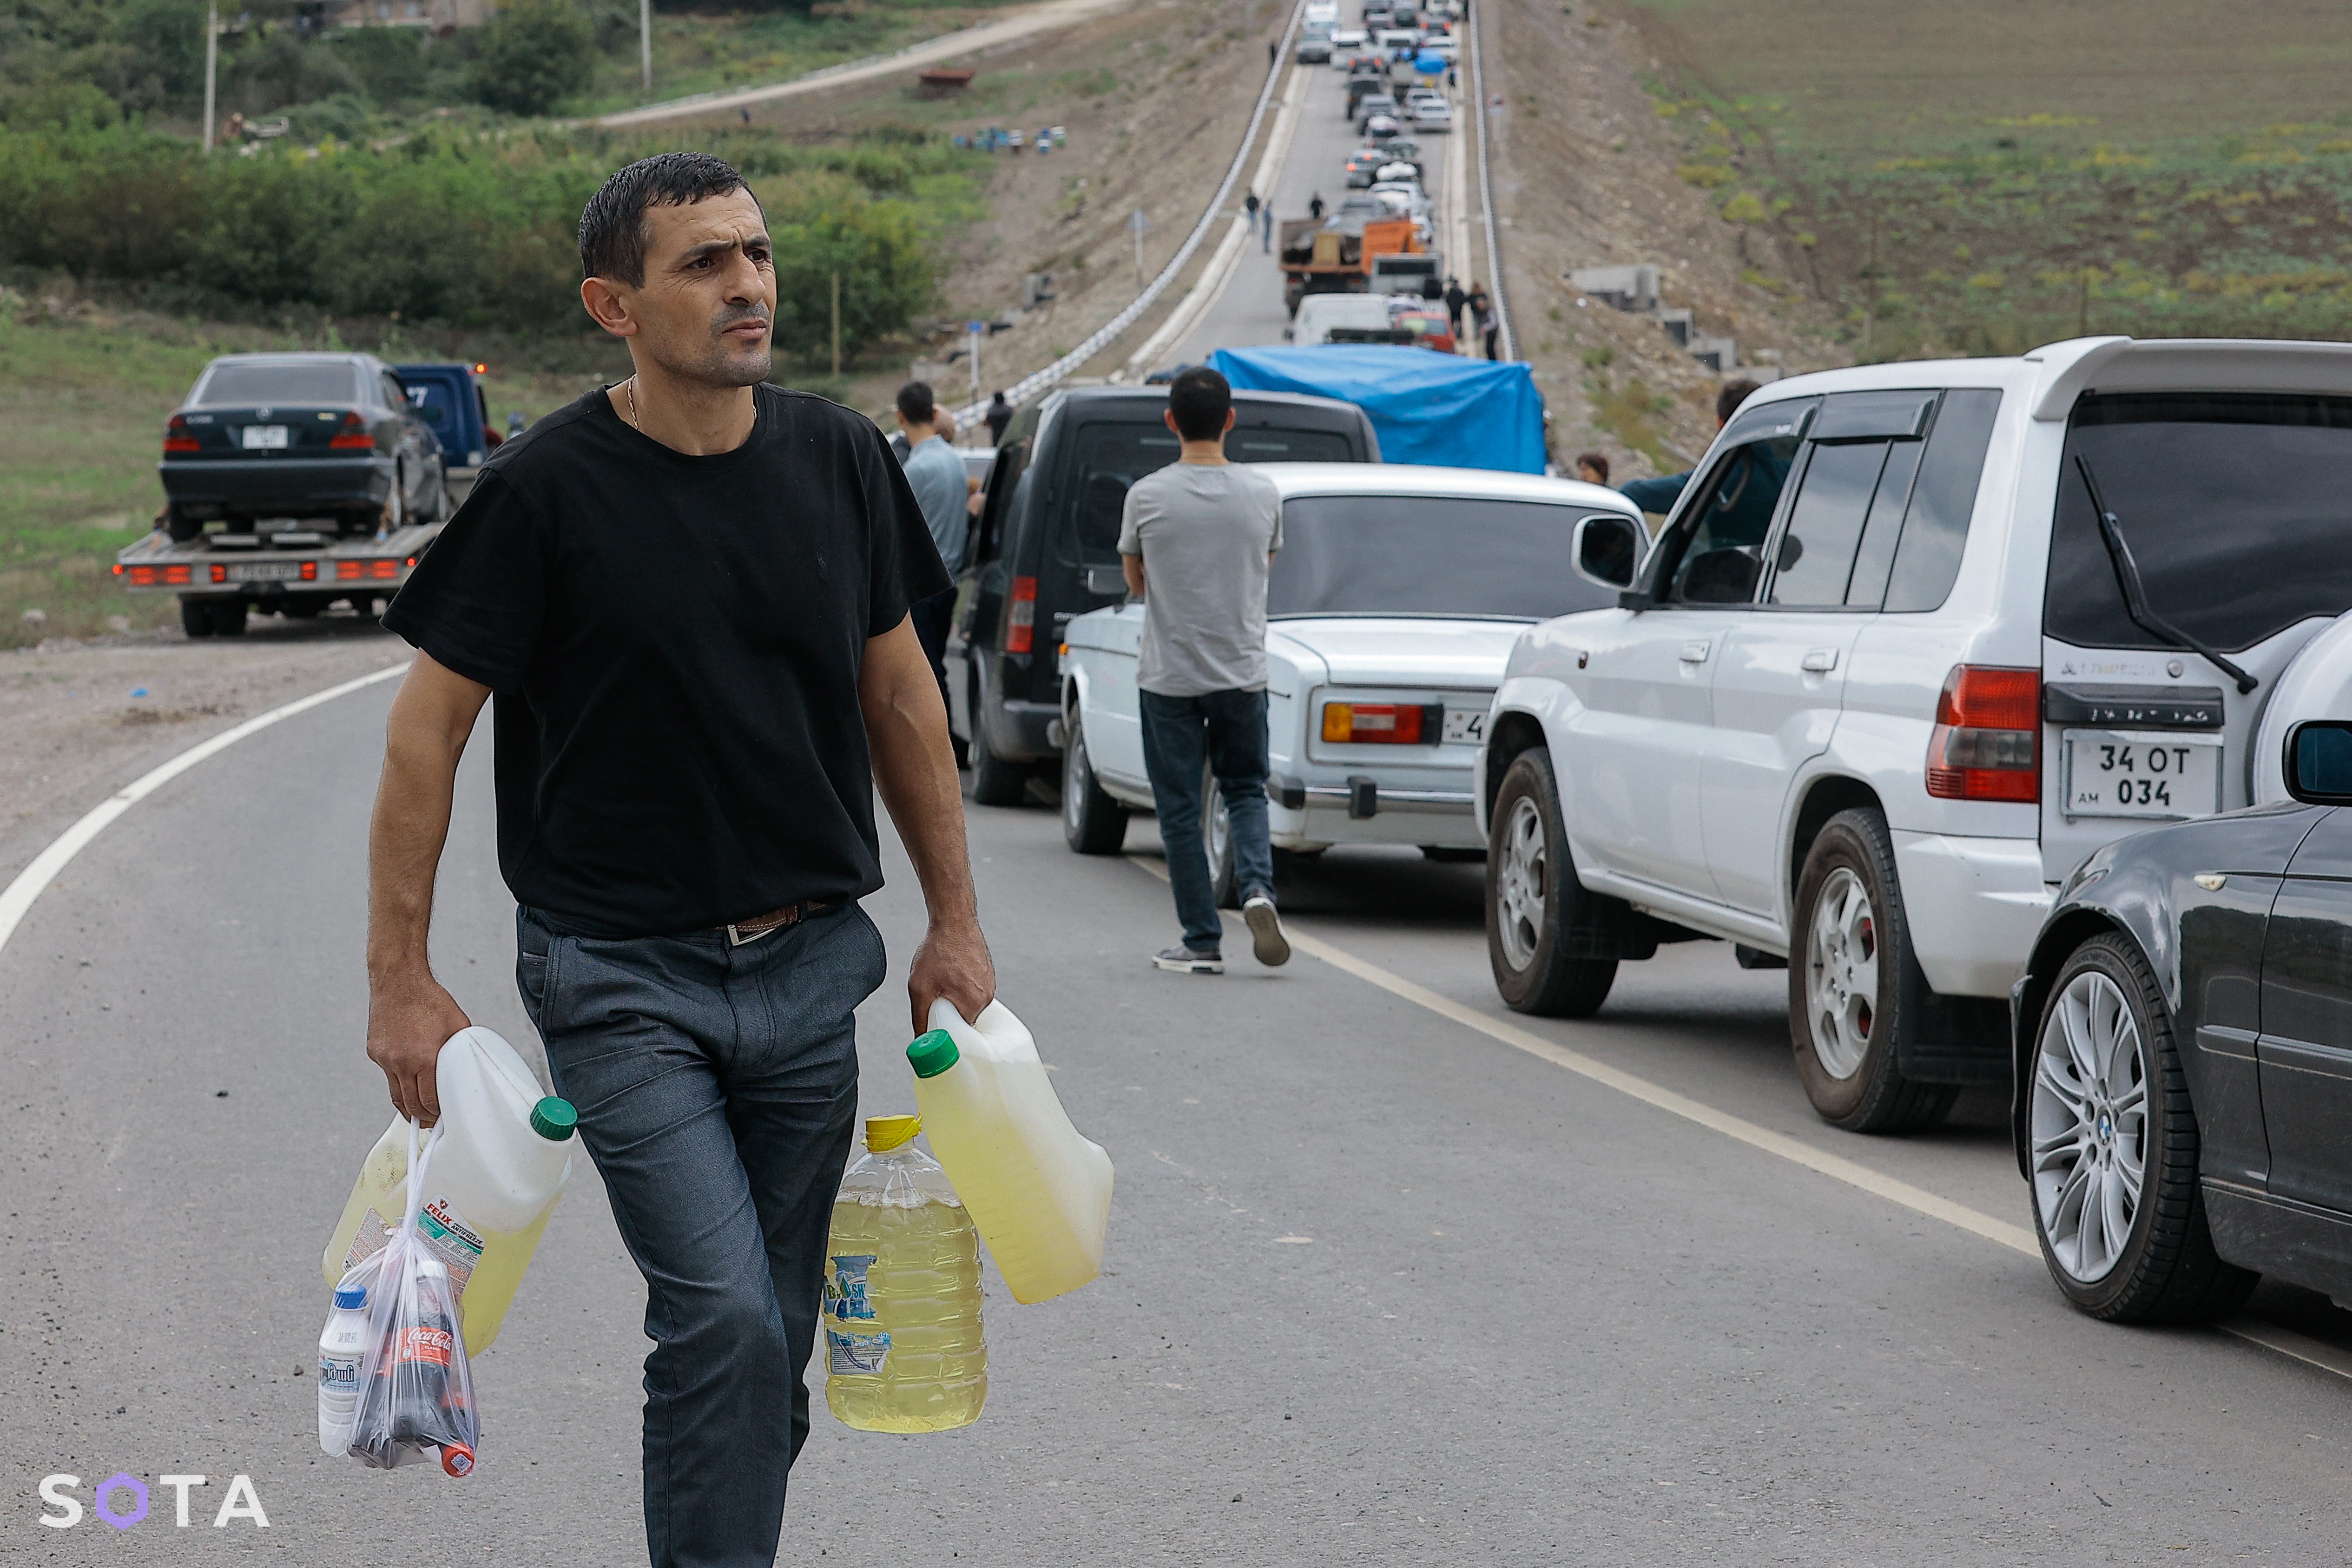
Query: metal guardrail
x=1486, y=191
x=1039, y=381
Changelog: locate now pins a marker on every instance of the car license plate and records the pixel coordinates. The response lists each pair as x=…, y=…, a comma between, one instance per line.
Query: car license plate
x=2122, y=773
x=1465, y=726
x=266, y=572
x=265, y=437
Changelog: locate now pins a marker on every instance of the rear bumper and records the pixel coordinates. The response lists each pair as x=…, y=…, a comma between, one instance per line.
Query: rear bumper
x=1974, y=906
x=1301, y=816
x=248, y=485
x=1017, y=730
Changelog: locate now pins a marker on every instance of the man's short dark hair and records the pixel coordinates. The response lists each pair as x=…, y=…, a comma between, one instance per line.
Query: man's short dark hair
x=1734, y=394
x=1200, y=399
x=613, y=223
x=916, y=403
x=1596, y=461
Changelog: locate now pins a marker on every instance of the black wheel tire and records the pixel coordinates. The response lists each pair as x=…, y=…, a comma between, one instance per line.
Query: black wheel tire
x=2168, y=1271
x=1453, y=855
x=1092, y=822
x=195, y=617
x=1873, y=1095
x=1530, y=972
x=995, y=781
x=181, y=526
x=228, y=618
x=1217, y=842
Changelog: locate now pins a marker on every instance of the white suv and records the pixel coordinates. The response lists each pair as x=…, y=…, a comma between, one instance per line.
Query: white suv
x=1889, y=674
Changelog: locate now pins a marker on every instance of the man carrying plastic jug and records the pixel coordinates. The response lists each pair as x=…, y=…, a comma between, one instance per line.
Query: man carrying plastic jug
x=690, y=591
x=1197, y=540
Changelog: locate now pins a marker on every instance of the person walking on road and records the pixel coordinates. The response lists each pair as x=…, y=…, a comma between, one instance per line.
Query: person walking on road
x=999, y=414
x=690, y=591
x=1249, y=210
x=1483, y=316
x=1315, y=206
x=1266, y=214
x=937, y=477
x=1197, y=541
x=1454, y=298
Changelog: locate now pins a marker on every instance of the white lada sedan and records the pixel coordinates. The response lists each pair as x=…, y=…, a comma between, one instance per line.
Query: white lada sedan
x=1392, y=607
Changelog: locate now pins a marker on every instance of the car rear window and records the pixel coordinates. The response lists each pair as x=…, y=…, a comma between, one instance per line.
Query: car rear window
x=268, y=385
x=1422, y=555
x=2234, y=505
x=1111, y=457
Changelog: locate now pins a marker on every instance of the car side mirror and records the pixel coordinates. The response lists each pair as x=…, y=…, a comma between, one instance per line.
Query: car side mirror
x=1606, y=549
x=2319, y=761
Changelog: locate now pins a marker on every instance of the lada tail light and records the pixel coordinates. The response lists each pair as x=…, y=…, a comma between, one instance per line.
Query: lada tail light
x=1020, y=635
x=1987, y=740
x=354, y=437
x=178, y=437
x=1383, y=723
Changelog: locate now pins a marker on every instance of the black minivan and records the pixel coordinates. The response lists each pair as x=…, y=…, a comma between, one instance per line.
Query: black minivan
x=1046, y=548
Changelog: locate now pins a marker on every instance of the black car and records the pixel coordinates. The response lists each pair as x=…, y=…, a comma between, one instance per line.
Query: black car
x=308, y=436
x=1046, y=548
x=2183, y=1037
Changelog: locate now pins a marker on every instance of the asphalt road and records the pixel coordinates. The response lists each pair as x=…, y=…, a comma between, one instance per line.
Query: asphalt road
x=1380, y=1289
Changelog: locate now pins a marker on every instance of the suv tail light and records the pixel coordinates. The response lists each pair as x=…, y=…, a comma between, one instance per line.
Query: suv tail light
x=1383, y=723
x=354, y=437
x=178, y=437
x=1987, y=740
x=1022, y=634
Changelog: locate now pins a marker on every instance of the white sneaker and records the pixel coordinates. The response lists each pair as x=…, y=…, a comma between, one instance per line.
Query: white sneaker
x=1182, y=960
x=1267, y=941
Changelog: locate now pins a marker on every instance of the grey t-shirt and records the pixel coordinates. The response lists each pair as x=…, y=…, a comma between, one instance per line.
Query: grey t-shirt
x=1205, y=532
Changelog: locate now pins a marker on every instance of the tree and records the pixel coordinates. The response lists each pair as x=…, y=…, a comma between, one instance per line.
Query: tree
x=532, y=53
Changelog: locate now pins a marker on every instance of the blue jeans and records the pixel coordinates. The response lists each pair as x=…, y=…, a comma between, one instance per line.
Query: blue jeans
x=1185, y=739
x=717, y=1089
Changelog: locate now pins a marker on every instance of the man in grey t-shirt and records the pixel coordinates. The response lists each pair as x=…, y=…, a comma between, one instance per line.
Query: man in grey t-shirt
x=1197, y=540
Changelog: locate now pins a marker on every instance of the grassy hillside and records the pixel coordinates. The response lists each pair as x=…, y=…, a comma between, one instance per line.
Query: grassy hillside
x=1977, y=179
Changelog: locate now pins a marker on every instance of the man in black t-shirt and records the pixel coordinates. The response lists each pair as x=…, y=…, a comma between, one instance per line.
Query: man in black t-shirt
x=688, y=592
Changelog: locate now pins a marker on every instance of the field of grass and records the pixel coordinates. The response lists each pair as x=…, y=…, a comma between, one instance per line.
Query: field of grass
x=1977, y=179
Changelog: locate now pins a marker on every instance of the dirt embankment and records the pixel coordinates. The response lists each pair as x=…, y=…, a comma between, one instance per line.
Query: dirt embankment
x=1586, y=175
x=1154, y=101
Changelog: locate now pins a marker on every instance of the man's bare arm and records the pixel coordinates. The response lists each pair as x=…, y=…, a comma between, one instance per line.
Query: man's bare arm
x=915, y=772
x=1132, y=565
x=410, y=1017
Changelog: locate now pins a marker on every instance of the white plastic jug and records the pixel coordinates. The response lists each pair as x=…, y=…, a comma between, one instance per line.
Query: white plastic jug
x=504, y=1155
x=1039, y=1193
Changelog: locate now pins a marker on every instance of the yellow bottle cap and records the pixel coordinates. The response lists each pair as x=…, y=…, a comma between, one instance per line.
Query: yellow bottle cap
x=884, y=1133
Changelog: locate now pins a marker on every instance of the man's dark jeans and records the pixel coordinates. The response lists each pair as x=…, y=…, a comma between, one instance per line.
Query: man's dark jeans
x=717, y=1088
x=1184, y=740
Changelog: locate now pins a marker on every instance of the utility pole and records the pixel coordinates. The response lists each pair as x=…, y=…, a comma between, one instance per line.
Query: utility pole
x=1137, y=225
x=837, y=326
x=978, y=330
x=645, y=43
x=212, y=67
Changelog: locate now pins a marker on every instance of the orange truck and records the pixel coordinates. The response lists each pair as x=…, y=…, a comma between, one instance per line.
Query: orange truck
x=1320, y=259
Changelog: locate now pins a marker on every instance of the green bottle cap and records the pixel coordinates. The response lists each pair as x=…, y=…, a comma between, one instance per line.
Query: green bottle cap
x=554, y=1120
x=932, y=1053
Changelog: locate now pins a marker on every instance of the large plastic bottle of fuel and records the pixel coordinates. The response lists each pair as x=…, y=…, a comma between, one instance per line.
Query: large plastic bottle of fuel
x=504, y=1156
x=902, y=1339
x=1039, y=1193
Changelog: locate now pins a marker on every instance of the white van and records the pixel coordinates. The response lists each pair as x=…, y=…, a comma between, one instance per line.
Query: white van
x=1320, y=315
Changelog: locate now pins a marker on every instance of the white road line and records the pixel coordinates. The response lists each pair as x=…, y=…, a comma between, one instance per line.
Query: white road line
x=2017, y=1237
x=34, y=879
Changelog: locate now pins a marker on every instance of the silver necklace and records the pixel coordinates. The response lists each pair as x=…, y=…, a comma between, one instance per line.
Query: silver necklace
x=632, y=405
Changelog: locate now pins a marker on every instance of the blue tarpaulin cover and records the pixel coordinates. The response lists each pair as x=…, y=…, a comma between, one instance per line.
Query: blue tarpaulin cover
x=1426, y=407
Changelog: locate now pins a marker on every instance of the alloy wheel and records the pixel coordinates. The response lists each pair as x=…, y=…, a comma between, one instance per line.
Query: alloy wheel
x=1074, y=775
x=1842, y=974
x=1215, y=827
x=2090, y=1126
x=1522, y=879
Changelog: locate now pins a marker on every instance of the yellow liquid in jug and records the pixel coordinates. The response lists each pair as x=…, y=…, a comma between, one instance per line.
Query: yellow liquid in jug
x=486, y=1285
x=922, y=1289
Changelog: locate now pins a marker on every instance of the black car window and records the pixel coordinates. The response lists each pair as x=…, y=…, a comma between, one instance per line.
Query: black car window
x=1875, y=558
x=1423, y=556
x=393, y=395
x=1812, y=564
x=995, y=512
x=1720, y=539
x=281, y=385
x=2234, y=505
x=1936, y=527
x=1111, y=457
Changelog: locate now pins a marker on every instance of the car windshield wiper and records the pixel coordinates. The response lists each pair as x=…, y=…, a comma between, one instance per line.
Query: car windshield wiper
x=2111, y=531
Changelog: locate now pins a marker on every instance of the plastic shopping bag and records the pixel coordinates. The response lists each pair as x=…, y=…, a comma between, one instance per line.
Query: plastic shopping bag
x=416, y=1392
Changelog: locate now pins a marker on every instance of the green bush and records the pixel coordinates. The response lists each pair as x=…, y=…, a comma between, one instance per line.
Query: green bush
x=533, y=54
x=388, y=62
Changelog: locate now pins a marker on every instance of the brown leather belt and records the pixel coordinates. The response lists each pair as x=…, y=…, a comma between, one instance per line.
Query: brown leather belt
x=758, y=926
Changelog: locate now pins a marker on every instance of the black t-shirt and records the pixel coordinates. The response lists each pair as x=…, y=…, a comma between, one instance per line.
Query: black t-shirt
x=675, y=644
